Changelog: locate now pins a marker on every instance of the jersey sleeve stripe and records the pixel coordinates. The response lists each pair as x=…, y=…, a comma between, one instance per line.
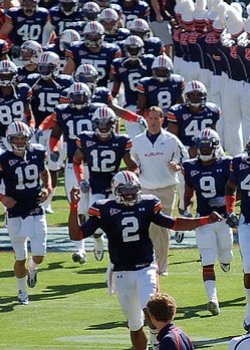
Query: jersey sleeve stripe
x=94, y=212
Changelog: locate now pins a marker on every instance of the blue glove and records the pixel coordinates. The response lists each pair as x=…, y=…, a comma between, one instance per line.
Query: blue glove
x=54, y=156
x=84, y=186
x=232, y=220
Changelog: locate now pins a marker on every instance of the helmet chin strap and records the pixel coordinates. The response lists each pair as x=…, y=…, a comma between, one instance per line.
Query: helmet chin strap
x=206, y=158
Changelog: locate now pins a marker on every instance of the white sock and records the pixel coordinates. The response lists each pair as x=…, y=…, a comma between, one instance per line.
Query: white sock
x=80, y=245
x=21, y=283
x=210, y=286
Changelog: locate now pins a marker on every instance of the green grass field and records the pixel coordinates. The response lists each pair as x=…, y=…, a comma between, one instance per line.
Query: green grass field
x=70, y=309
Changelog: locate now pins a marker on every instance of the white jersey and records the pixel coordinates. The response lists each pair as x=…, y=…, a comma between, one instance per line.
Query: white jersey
x=240, y=343
x=154, y=158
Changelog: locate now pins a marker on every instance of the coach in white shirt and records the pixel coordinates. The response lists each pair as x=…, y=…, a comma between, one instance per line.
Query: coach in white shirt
x=159, y=154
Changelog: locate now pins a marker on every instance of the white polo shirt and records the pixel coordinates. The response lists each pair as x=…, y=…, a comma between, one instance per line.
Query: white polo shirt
x=153, y=159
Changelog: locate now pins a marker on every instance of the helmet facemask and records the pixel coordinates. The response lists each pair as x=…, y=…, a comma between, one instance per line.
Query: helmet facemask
x=128, y=194
x=208, y=149
x=196, y=100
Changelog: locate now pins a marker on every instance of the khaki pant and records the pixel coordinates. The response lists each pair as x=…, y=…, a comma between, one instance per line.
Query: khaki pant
x=160, y=235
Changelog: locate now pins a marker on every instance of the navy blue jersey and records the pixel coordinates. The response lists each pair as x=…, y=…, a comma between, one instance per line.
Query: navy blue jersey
x=162, y=94
x=26, y=27
x=22, y=181
x=73, y=122
x=153, y=45
x=102, y=60
x=208, y=181
x=127, y=230
x=169, y=336
x=129, y=73
x=191, y=123
x=103, y=158
x=120, y=35
x=240, y=175
x=46, y=94
x=12, y=107
x=140, y=9
x=23, y=73
x=61, y=21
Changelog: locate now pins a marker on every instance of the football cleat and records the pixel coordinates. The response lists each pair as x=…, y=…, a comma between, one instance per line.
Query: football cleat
x=23, y=298
x=225, y=267
x=179, y=236
x=79, y=257
x=32, y=278
x=98, y=248
x=213, y=307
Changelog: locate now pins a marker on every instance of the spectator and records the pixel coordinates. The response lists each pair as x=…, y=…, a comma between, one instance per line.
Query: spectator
x=162, y=309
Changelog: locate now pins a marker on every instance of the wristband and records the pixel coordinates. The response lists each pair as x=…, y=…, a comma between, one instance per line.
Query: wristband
x=204, y=221
x=230, y=203
x=73, y=206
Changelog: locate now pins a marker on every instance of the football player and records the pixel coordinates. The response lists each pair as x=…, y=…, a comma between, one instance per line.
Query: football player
x=70, y=120
x=94, y=51
x=206, y=176
x=27, y=22
x=152, y=44
x=162, y=89
x=239, y=179
x=66, y=15
x=109, y=18
x=27, y=185
x=15, y=100
x=47, y=86
x=60, y=44
x=187, y=119
x=102, y=150
x=126, y=220
x=127, y=71
x=30, y=52
x=132, y=9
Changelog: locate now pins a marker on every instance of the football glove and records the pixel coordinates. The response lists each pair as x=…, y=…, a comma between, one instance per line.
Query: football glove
x=84, y=186
x=232, y=220
x=142, y=122
x=217, y=202
x=38, y=133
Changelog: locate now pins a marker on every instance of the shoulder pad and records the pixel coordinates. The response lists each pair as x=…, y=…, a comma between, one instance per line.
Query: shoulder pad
x=102, y=201
x=214, y=107
x=176, y=77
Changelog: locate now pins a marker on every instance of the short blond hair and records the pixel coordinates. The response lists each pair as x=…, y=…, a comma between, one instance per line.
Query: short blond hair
x=156, y=109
